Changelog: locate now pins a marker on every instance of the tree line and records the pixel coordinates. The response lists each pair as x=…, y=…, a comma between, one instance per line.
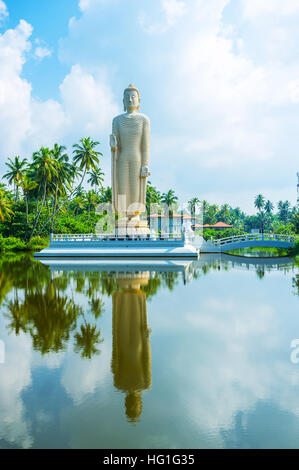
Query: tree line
x=48, y=195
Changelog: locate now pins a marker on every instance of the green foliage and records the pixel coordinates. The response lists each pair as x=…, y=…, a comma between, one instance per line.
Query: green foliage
x=295, y=250
x=12, y=244
x=48, y=197
x=37, y=243
x=217, y=234
x=288, y=229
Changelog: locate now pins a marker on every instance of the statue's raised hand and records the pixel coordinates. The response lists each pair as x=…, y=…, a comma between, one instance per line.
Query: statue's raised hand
x=113, y=142
x=145, y=172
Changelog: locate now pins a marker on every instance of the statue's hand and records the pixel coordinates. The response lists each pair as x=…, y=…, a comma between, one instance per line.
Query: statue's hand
x=145, y=172
x=113, y=142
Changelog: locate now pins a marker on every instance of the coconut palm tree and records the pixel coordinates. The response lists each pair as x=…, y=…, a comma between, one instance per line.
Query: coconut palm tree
x=224, y=213
x=284, y=210
x=96, y=178
x=62, y=182
x=5, y=206
x=169, y=198
x=262, y=219
x=27, y=184
x=269, y=207
x=259, y=202
x=91, y=199
x=193, y=203
x=13, y=176
x=44, y=169
x=204, y=209
x=106, y=194
x=78, y=203
x=85, y=158
x=153, y=196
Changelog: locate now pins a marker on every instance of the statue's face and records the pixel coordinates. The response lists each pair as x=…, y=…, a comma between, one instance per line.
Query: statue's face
x=131, y=100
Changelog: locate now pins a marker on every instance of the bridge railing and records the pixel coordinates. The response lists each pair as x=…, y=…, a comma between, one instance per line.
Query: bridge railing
x=256, y=238
x=92, y=237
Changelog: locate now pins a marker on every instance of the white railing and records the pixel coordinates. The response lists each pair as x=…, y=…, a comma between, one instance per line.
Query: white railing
x=268, y=237
x=92, y=237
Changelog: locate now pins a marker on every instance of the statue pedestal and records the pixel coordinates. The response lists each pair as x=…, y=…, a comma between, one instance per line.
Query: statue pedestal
x=112, y=246
x=133, y=227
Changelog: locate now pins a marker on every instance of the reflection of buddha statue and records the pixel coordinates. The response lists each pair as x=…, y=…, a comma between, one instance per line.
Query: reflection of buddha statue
x=130, y=154
x=131, y=356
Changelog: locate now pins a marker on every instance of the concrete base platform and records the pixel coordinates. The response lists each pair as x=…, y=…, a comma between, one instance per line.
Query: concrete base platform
x=119, y=249
x=117, y=265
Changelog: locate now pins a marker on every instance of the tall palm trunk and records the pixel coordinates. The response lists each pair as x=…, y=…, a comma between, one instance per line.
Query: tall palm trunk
x=62, y=204
x=42, y=205
x=54, y=208
x=26, y=202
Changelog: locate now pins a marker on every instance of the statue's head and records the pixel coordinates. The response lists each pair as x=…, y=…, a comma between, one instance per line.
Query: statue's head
x=131, y=98
x=133, y=404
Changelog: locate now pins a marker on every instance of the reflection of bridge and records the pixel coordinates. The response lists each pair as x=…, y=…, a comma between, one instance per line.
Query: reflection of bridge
x=261, y=240
x=245, y=262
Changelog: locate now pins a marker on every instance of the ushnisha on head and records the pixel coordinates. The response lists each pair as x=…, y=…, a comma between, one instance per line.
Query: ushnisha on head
x=131, y=99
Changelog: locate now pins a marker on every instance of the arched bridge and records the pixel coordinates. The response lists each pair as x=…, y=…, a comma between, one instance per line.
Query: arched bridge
x=265, y=240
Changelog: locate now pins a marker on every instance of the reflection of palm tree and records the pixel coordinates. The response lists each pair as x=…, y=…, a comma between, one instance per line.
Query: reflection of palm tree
x=108, y=284
x=206, y=268
x=80, y=281
x=153, y=286
x=170, y=279
x=260, y=272
x=96, y=307
x=51, y=319
x=87, y=340
x=296, y=283
x=5, y=285
x=17, y=316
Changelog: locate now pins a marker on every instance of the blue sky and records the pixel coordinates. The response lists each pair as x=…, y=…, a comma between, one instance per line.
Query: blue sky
x=219, y=81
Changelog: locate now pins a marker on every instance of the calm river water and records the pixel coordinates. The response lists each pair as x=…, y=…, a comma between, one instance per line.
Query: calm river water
x=200, y=355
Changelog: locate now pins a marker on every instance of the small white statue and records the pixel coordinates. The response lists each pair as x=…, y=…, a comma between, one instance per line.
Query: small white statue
x=130, y=143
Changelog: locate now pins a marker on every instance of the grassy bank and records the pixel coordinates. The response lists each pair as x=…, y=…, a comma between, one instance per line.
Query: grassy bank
x=260, y=252
x=17, y=244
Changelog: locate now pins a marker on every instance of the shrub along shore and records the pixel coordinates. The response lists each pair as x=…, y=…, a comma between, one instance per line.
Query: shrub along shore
x=16, y=244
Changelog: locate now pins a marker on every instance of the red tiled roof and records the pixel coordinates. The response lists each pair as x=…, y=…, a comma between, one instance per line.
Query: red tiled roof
x=218, y=224
x=221, y=224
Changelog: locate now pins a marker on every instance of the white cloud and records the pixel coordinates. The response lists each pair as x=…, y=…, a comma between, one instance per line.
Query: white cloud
x=88, y=102
x=85, y=107
x=255, y=8
x=227, y=97
x=15, y=376
x=15, y=91
x=219, y=100
x=94, y=372
x=224, y=378
x=41, y=52
x=86, y=4
x=173, y=10
x=3, y=10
